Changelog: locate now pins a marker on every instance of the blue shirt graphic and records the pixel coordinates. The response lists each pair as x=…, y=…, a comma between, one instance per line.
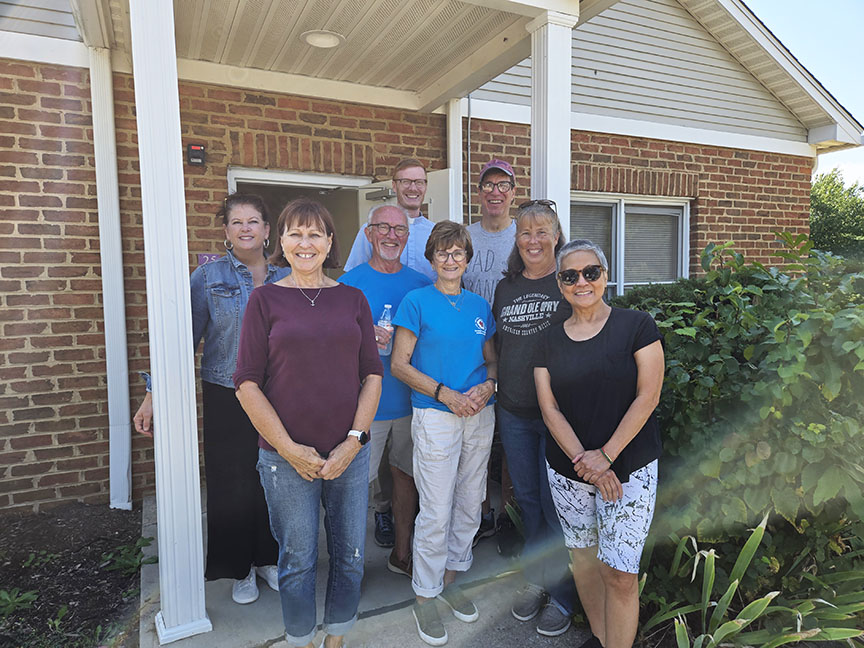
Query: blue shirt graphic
x=450, y=342
x=381, y=288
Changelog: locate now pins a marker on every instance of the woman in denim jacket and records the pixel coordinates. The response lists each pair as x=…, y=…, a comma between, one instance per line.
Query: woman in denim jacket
x=239, y=542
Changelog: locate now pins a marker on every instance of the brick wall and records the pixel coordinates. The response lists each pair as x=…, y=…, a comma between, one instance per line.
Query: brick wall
x=739, y=196
x=52, y=375
x=53, y=409
x=53, y=396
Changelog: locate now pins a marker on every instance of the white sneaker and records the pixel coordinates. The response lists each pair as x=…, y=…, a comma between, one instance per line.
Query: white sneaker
x=270, y=574
x=245, y=591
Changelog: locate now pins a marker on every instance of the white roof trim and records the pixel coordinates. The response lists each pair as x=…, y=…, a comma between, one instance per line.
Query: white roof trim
x=496, y=111
x=43, y=49
x=850, y=129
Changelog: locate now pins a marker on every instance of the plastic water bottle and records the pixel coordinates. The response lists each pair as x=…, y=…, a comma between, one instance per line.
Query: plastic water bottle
x=386, y=322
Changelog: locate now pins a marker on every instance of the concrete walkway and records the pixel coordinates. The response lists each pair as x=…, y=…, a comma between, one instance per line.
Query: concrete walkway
x=385, y=608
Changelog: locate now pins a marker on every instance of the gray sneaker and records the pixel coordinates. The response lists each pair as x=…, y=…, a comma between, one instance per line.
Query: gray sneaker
x=429, y=625
x=528, y=602
x=462, y=607
x=552, y=621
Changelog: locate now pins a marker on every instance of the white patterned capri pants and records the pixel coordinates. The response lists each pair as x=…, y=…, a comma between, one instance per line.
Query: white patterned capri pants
x=618, y=529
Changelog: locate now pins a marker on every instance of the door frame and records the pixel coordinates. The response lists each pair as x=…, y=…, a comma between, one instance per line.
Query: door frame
x=292, y=178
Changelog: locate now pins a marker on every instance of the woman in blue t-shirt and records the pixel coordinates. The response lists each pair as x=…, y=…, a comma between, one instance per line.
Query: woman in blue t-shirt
x=598, y=377
x=443, y=350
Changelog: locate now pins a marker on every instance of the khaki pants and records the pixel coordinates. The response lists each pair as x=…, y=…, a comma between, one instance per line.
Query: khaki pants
x=450, y=458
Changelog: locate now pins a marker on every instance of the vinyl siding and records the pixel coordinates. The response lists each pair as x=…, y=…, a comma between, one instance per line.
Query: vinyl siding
x=51, y=18
x=650, y=60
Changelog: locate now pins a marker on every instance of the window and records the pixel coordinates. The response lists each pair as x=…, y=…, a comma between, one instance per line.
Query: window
x=645, y=239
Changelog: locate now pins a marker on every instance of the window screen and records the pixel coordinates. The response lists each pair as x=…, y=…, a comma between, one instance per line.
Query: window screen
x=651, y=244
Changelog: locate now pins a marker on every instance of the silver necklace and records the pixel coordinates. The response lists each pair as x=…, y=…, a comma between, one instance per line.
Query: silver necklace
x=311, y=300
x=457, y=301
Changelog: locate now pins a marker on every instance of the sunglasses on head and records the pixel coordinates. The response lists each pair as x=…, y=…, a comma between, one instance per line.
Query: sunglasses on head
x=545, y=203
x=591, y=273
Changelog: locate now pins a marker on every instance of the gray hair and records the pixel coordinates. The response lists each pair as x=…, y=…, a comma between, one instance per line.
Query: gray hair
x=375, y=209
x=580, y=245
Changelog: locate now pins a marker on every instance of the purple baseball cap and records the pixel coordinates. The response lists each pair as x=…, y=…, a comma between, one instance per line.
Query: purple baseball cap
x=499, y=165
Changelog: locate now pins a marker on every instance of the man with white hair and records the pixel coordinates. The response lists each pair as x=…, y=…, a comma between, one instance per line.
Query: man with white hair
x=385, y=281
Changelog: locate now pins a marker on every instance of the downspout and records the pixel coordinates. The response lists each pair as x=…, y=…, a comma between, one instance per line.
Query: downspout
x=468, y=146
x=454, y=158
x=113, y=298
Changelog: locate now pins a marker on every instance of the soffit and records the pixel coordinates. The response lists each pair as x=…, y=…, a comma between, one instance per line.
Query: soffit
x=769, y=61
x=398, y=44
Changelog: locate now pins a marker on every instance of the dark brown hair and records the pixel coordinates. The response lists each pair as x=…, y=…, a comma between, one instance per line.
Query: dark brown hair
x=445, y=235
x=408, y=163
x=305, y=212
x=515, y=264
x=233, y=200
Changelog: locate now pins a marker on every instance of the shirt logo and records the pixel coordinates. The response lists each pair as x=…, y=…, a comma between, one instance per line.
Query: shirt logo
x=480, y=327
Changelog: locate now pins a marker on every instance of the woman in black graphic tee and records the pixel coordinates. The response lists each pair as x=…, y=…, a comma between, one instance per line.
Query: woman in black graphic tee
x=598, y=377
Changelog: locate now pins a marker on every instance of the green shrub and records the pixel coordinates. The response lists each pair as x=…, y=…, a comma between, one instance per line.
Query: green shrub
x=761, y=414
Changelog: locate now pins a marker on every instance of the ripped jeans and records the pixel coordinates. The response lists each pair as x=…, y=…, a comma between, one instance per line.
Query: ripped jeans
x=294, y=505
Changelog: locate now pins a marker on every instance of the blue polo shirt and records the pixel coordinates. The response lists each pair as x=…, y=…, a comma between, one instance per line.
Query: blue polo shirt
x=450, y=339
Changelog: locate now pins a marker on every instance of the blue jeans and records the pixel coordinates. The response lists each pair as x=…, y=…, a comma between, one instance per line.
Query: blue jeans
x=294, y=506
x=544, y=555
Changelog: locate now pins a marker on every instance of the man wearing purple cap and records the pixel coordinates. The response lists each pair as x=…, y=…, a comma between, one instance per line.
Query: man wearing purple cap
x=493, y=238
x=494, y=235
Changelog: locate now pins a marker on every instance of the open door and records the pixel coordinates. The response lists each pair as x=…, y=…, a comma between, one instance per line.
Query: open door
x=438, y=197
x=437, y=206
x=372, y=195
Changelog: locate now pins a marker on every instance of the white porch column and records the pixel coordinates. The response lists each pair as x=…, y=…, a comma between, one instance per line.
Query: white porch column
x=113, y=299
x=551, y=82
x=178, y=495
x=454, y=158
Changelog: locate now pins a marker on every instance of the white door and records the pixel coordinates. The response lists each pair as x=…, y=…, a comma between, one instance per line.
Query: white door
x=438, y=197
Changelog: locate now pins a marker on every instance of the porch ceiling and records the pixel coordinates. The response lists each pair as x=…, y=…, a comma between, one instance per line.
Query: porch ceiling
x=428, y=49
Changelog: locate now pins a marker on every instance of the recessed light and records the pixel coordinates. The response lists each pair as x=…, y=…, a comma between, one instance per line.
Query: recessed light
x=322, y=38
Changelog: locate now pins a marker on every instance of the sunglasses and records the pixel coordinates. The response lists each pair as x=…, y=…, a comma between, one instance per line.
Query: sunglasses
x=591, y=273
x=545, y=203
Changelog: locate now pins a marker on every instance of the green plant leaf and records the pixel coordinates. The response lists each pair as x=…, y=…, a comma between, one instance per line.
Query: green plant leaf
x=748, y=551
x=722, y=605
x=791, y=637
x=681, y=637
x=828, y=485
x=707, y=585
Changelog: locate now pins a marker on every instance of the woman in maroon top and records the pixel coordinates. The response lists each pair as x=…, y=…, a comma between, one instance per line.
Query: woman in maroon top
x=309, y=377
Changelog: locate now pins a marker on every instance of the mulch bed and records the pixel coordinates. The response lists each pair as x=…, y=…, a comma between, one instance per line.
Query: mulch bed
x=60, y=555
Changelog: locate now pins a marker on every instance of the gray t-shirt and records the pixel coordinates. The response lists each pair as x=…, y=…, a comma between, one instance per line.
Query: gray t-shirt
x=486, y=268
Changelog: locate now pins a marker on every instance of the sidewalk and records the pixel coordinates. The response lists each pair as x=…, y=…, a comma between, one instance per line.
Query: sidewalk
x=385, y=608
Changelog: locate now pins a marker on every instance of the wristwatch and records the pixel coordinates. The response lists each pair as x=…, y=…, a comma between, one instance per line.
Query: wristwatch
x=361, y=435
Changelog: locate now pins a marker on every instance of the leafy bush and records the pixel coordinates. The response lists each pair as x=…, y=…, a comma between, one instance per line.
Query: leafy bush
x=762, y=413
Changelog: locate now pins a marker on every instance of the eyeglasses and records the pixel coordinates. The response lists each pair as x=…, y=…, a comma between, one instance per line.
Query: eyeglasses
x=591, y=273
x=384, y=229
x=405, y=183
x=545, y=203
x=458, y=256
x=504, y=186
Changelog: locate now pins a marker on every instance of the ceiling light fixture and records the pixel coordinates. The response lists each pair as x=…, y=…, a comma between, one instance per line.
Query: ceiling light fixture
x=322, y=38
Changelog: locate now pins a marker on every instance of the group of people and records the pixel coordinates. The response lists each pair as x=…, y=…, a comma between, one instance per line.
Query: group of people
x=434, y=341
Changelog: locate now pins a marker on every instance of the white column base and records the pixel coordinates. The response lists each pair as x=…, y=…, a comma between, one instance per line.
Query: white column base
x=167, y=635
